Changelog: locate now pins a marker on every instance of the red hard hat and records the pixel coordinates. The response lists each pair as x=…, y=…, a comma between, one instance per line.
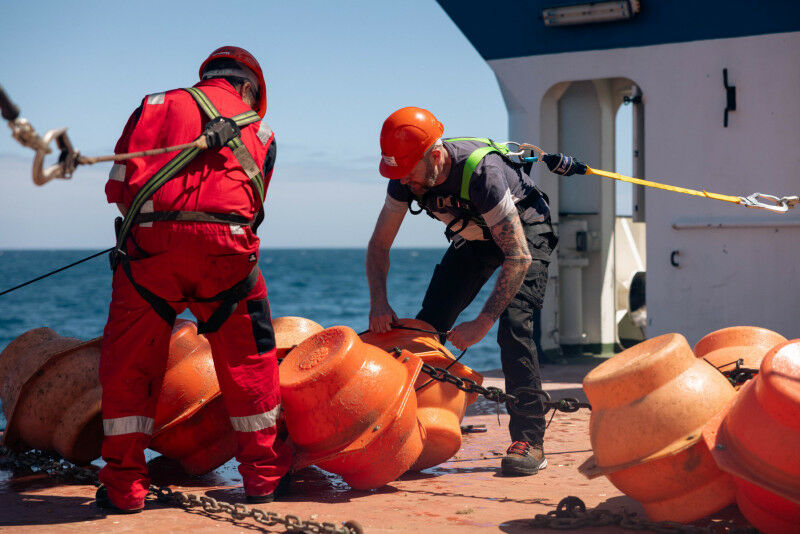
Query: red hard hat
x=245, y=58
x=406, y=135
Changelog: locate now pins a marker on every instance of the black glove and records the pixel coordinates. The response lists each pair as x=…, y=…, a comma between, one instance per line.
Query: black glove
x=563, y=164
x=219, y=131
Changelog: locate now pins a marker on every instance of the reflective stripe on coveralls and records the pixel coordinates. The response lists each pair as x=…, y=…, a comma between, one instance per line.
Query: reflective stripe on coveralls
x=254, y=423
x=132, y=424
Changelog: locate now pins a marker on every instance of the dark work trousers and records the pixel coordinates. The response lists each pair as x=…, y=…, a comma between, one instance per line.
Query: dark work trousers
x=457, y=280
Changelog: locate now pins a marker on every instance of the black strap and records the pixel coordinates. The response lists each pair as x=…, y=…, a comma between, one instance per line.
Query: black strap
x=230, y=300
x=160, y=305
x=419, y=203
x=193, y=216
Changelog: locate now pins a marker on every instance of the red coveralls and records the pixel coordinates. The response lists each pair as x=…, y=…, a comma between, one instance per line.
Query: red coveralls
x=181, y=261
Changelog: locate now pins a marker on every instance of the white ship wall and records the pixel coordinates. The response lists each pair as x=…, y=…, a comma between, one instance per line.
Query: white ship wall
x=737, y=266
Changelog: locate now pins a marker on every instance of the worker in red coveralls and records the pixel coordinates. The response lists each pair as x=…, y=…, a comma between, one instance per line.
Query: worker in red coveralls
x=188, y=239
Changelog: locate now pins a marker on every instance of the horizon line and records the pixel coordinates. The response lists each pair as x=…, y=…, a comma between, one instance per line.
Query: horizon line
x=66, y=249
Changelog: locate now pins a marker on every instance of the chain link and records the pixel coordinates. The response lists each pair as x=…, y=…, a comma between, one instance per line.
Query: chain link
x=571, y=514
x=56, y=467
x=539, y=402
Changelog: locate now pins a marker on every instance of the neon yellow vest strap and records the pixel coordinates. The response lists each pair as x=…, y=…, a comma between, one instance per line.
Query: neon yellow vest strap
x=475, y=158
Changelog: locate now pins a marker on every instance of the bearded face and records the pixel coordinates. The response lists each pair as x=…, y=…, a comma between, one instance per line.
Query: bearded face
x=423, y=176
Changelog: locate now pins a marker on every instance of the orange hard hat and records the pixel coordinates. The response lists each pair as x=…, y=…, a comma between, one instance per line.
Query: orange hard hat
x=406, y=135
x=244, y=57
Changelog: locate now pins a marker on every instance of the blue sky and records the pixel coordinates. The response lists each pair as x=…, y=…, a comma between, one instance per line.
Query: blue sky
x=334, y=71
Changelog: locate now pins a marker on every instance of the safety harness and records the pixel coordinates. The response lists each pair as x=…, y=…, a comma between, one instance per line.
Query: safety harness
x=219, y=131
x=430, y=202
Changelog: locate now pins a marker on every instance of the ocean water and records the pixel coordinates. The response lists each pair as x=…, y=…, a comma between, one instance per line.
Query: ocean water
x=326, y=285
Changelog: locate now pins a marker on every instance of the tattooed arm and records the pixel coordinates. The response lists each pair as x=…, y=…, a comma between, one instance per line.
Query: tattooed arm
x=381, y=314
x=510, y=238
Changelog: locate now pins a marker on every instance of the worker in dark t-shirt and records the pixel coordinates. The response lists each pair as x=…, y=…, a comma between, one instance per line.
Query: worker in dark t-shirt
x=495, y=216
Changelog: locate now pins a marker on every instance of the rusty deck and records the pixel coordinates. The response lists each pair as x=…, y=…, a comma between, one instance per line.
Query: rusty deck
x=464, y=494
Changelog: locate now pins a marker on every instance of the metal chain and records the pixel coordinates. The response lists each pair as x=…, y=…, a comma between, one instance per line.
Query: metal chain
x=539, y=404
x=571, y=514
x=56, y=467
x=738, y=375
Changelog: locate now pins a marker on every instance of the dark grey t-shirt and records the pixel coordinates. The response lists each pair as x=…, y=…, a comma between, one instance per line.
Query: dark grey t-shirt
x=495, y=189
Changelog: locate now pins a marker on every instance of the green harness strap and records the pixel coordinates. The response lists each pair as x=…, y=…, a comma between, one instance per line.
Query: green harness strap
x=176, y=164
x=475, y=158
x=237, y=147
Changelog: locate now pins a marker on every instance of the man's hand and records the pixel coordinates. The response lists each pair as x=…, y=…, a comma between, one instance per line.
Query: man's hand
x=381, y=318
x=467, y=334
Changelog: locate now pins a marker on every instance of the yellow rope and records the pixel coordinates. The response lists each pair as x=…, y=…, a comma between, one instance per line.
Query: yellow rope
x=648, y=183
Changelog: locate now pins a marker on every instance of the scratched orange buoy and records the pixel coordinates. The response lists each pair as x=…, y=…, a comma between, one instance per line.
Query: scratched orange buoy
x=350, y=407
x=440, y=405
x=291, y=331
x=723, y=348
x=51, y=394
x=191, y=423
x=649, y=405
x=757, y=438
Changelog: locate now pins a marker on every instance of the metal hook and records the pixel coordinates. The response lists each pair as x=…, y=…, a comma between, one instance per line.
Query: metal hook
x=777, y=204
x=522, y=147
x=67, y=160
x=23, y=131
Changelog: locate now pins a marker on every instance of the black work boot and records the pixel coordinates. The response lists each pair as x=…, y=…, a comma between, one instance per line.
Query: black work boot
x=522, y=459
x=102, y=501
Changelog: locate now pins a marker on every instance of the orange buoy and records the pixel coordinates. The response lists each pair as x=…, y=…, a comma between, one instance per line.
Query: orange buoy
x=191, y=422
x=723, y=348
x=51, y=394
x=412, y=340
x=393, y=449
x=440, y=406
x=649, y=405
x=350, y=407
x=757, y=438
x=291, y=331
x=440, y=409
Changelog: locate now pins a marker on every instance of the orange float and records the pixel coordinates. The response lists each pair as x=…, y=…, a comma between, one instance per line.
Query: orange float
x=350, y=407
x=440, y=409
x=723, y=348
x=191, y=423
x=649, y=405
x=757, y=438
x=440, y=406
x=291, y=331
x=412, y=340
x=51, y=395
